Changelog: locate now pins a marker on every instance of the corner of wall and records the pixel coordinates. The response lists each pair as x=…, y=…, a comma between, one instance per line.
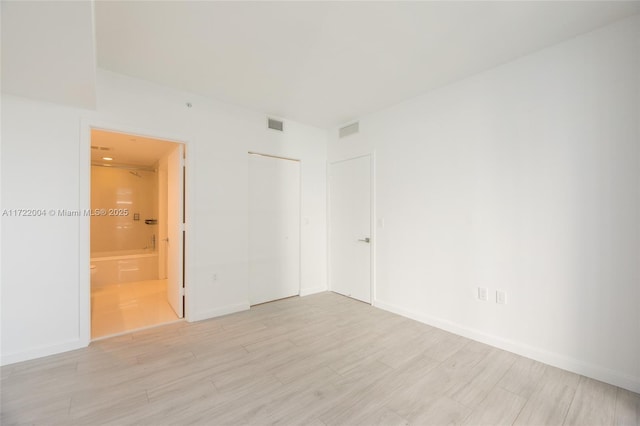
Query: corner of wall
x=551, y=358
x=310, y=291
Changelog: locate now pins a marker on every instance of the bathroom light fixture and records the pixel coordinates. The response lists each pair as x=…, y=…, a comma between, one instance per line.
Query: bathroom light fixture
x=107, y=158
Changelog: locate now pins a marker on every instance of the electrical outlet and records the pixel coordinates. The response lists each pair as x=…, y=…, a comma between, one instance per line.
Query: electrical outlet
x=214, y=277
x=483, y=293
x=501, y=297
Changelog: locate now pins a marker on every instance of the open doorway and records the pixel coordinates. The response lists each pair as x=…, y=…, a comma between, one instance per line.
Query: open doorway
x=137, y=232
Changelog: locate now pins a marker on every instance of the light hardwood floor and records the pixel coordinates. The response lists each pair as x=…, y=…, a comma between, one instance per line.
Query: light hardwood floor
x=318, y=360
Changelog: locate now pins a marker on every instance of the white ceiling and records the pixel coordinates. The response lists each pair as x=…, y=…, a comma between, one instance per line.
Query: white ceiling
x=48, y=51
x=321, y=63
x=127, y=150
x=326, y=63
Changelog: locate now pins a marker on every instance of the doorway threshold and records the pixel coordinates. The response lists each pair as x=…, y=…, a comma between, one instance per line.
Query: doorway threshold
x=136, y=330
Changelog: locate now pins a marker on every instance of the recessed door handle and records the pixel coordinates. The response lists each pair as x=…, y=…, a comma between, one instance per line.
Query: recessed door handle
x=366, y=240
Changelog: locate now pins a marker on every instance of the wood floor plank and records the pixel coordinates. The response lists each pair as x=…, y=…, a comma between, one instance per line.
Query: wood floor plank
x=523, y=377
x=93, y=408
x=318, y=360
x=396, y=354
x=593, y=403
x=383, y=417
x=550, y=400
x=294, y=399
x=627, y=408
x=439, y=411
x=500, y=407
x=35, y=410
x=482, y=379
x=355, y=409
x=441, y=344
x=424, y=389
x=183, y=389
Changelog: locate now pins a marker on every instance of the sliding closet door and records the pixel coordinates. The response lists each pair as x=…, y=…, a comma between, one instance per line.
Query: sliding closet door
x=274, y=228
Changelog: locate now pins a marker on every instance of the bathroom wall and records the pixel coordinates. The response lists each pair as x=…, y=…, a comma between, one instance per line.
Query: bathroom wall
x=114, y=190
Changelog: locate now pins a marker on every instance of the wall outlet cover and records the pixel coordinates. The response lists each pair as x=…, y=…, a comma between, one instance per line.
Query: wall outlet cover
x=483, y=293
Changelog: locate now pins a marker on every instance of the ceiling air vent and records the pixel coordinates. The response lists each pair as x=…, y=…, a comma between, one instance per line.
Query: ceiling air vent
x=275, y=124
x=349, y=130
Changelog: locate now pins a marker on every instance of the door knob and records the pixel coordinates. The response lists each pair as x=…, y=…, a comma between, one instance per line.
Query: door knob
x=366, y=240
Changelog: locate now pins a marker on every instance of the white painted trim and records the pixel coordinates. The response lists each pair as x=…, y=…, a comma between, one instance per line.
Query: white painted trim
x=84, y=235
x=42, y=352
x=300, y=224
x=190, y=228
x=551, y=358
x=139, y=131
x=218, y=312
x=373, y=225
x=279, y=157
x=327, y=213
x=355, y=157
x=314, y=290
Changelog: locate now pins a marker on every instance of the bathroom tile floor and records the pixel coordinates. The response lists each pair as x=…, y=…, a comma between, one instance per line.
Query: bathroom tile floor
x=118, y=308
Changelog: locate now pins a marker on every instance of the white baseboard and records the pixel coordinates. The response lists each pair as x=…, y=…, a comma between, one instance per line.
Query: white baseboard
x=314, y=290
x=218, y=312
x=42, y=352
x=551, y=358
x=13, y=358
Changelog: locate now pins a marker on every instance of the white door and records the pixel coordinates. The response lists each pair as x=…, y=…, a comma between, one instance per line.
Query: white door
x=274, y=228
x=350, y=228
x=175, y=230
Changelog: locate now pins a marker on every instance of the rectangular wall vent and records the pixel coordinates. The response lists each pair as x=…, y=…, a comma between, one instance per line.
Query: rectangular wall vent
x=275, y=124
x=350, y=129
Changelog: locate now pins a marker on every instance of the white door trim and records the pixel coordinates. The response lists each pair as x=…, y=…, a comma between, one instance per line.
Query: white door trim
x=372, y=230
x=84, y=202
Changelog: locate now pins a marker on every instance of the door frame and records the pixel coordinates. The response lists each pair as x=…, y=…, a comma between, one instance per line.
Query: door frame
x=300, y=165
x=372, y=224
x=181, y=219
x=84, y=203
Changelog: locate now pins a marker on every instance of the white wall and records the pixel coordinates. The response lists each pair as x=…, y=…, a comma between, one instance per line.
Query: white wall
x=45, y=164
x=525, y=178
x=40, y=274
